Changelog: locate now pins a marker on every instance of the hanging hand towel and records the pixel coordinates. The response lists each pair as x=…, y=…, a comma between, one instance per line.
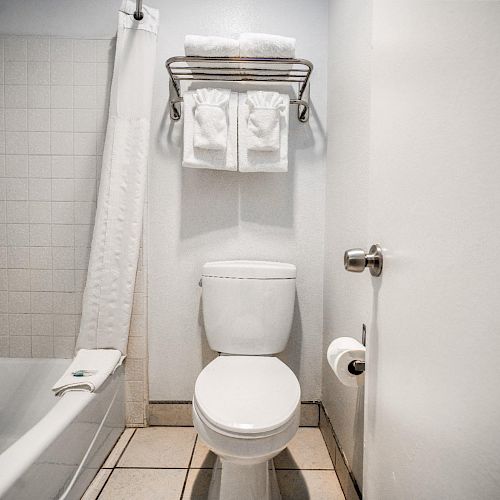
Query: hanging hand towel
x=211, y=46
x=264, y=120
x=216, y=159
x=263, y=45
x=210, y=118
x=89, y=370
x=251, y=160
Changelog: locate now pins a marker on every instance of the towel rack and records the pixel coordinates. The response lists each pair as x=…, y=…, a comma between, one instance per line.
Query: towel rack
x=239, y=69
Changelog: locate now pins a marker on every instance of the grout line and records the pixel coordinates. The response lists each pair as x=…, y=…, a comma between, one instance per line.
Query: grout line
x=189, y=466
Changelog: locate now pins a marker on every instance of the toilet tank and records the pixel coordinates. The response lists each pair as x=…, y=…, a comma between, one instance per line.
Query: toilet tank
x=248, y=305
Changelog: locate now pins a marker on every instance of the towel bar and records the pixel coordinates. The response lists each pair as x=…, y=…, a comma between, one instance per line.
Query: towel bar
x=239, y=69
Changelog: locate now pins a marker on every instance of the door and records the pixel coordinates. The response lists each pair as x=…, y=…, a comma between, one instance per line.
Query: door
x=432, y=407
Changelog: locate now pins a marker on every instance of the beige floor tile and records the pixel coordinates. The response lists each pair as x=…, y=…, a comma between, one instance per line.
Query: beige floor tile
x=144, y=484
x=118, y=449
x=170, y=414
x=309, y=484
x=96, y=485
x=306, y=450
x=197, y=484
x=159, y=447
x=203, y=458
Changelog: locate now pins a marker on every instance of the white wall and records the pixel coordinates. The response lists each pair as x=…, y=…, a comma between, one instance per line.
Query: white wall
x=346, y=295
x=197, y=216
x=432, y=412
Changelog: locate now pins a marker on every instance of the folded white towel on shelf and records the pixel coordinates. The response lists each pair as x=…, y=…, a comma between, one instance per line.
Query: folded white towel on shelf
x=211, y=46
x=263, y=45
x=252, y=160
x=202, y=157
x=264, y=120
x=210, y=118
x=89, y=370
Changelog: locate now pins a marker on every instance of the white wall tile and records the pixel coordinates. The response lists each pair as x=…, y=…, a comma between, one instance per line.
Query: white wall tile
x=61, y=143
x=85, y=143
x=39, y=143
x=16, y=189
x=16, y=120
x=63, y=303
x=63, y=190
x=61, y=73
x=20, y=347
x=38, y=49
x=84, y=50
x=61, y=49
x=18, y=257
x=38, y=73
x=16, y=166
x=15, y=49
x=19, y=280
x=64, y=324
x=61, y=96
x=4, y=302
x=41, y=257
x=85, y=167
x=63, y=212
x=39, y=166
x=64, y=347
x=15, y=73
x=40, y=189
x=84, y=97
x=61, y=120
x=63, y=235
x=105, y=50
x=40, y=212
x=3, y=257
x=41, y=302
x=63, y=258
x=82, y=255
x=38, y=120
x=84, y=212
x=85, y=120
x=40, y=235
x=62, y=167
x=83, y=235
x=16, y=143
x=85, y=190
x=41, y=280
x=20, y=324
x=17, y=235
x=104, y=73
x=38, y=96
x=84, y=73
x=64, y=280
x=17, y=212
x=15, y=96
x=19, y=302
x=42, y=347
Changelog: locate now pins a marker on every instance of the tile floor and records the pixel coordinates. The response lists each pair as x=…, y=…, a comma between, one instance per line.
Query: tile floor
x=171, y=463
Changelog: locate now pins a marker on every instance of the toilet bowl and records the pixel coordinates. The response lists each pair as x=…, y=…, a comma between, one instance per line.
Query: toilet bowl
x=246, y=409
x=246, y=403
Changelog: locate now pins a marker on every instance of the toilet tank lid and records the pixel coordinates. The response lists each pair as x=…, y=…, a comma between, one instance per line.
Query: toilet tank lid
x=251, y=269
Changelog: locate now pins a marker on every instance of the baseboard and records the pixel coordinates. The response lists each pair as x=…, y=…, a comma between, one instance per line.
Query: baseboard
x=346, y=478
x=178, y=413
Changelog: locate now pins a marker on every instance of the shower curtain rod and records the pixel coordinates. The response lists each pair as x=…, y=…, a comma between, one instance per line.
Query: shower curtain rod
x=138, y=15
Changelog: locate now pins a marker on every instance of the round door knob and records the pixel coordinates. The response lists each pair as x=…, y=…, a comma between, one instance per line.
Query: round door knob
x=356, y=259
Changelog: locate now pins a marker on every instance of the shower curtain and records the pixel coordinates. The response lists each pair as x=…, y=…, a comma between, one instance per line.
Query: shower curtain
x=108, y=295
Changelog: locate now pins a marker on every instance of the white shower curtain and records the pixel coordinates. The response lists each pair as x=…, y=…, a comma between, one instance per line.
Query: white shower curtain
x=108, y=296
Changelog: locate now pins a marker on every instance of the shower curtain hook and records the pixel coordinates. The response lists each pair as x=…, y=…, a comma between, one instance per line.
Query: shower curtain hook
x=138, y=15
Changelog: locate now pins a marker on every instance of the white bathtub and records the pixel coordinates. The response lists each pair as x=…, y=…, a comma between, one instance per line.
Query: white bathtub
x=51, y=447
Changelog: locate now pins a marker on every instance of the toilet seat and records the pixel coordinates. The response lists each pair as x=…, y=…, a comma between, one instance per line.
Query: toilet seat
x=254, y=396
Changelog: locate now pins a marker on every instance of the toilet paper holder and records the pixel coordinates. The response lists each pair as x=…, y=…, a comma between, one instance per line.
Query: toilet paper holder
x=357, y=367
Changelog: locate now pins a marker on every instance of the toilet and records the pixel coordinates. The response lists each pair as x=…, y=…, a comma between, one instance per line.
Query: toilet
x=246, y=403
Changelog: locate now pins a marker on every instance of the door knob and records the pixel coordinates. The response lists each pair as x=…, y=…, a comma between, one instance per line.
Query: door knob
x=356, y=259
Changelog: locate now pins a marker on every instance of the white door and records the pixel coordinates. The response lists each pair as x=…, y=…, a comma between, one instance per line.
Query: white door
x=432, y=407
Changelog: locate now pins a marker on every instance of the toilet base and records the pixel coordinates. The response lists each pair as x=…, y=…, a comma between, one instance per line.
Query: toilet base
x=231, y=481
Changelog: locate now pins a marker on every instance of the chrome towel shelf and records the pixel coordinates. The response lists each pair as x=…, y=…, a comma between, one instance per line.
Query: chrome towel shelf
x=239, y=69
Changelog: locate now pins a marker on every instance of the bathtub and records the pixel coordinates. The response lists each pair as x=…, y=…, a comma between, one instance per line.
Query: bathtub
x=52, y=447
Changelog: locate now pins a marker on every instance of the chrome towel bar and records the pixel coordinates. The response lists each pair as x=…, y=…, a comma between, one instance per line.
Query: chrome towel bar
x=239, y=69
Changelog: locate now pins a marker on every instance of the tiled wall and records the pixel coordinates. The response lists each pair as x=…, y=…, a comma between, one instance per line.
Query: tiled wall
x=53, y=109
x=53, y=112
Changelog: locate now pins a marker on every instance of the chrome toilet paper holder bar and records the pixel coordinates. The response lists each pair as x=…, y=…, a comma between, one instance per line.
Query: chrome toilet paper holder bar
x=357, y=367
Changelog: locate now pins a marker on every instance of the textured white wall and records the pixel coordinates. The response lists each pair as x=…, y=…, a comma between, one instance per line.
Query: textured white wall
x=197, y=216
x=346, y=296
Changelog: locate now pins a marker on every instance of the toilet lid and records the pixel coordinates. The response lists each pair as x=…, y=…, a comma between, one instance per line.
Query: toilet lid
x=248, y=394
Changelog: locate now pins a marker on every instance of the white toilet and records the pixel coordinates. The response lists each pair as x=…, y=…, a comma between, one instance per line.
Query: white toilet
x=246, y=403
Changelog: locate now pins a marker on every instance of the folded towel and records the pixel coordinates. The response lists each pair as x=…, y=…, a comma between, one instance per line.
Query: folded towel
x=251, y=160
x=216, y=159
x=210, y=118
x=211, y=46
x=264, y=120
x=263, y=45
x=89, y=370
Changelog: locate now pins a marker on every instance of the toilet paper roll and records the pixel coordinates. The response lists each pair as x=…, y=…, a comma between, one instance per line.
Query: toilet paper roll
x=343, y=351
